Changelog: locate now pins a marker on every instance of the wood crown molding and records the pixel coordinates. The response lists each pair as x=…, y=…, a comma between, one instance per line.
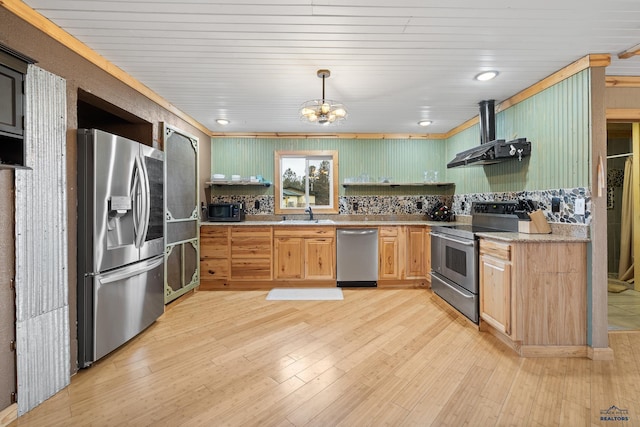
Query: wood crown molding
x=623, y=81
x=595, y=60
x=38, y=21
x=292, y=135
x=630, y=52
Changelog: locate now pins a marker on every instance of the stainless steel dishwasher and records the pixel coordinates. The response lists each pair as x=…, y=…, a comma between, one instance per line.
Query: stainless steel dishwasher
x=357, y=257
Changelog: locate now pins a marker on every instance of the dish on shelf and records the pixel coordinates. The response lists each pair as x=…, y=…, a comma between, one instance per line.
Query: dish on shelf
x=235, y=177
x=218, y=176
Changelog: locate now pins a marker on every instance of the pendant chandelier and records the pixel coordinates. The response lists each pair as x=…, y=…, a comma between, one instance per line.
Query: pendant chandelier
x=323, y=111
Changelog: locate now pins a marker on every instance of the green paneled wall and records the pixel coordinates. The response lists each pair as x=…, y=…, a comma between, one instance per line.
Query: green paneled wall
x=403, y=160
x=556, y=121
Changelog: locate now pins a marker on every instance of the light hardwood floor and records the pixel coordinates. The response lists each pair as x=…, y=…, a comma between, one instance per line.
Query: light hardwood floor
x=624, y=310
x=380, y=357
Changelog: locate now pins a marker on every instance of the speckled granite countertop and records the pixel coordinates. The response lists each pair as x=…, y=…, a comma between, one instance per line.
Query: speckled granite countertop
x=333, y=223
x=532, y=238
x=332, y=220
x=559, y=232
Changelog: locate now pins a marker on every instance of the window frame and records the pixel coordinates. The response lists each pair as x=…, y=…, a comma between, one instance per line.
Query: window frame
x=331, y=155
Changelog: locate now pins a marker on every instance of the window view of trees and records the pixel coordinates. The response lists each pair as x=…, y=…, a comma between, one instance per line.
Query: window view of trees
x=306, y=179
x=317, y=177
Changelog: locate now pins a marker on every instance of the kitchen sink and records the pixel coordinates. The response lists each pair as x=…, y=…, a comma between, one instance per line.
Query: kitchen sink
x=306, y=221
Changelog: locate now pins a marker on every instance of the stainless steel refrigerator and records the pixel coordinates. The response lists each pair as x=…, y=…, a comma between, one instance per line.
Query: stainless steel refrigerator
x=120, y=241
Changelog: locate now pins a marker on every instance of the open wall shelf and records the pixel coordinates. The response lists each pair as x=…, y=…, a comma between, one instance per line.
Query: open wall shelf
x=239, y=183
x=397, y=184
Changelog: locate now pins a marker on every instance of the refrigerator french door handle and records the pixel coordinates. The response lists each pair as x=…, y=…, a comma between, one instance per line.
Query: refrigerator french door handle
x=134, y=201
x=138, y=204
x=146, y=204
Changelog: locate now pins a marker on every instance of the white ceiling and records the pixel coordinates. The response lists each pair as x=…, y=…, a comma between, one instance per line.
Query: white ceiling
x=392, y=62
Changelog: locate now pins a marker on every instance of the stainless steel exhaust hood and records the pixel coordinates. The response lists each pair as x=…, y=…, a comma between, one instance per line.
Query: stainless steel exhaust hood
x=491, y=151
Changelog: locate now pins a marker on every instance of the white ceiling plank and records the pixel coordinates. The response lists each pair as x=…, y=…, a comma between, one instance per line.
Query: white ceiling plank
x=418, y=57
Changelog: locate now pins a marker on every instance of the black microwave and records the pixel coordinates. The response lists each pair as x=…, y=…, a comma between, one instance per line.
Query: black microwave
x=225, y=212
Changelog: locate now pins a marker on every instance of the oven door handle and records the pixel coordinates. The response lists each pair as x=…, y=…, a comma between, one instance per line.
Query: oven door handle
x=453, y=288
x=462, y=242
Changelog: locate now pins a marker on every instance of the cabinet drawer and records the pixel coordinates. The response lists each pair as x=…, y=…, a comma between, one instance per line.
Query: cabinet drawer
x=210, y=231
x=251, y=242
x=311, y=232
x=388, y=231
x=214, y=269
x=251, y=269
x=250, y=232
x=251, y=247
x=498, y=250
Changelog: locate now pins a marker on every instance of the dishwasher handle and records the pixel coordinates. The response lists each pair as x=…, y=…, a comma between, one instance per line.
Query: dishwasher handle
x=360, y=232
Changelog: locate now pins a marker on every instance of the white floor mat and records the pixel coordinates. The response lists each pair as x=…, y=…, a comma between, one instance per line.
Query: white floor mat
x=305, y=294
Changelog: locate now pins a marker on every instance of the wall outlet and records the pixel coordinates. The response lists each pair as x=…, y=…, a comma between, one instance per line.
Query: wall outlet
x=579, y=207
x=355, y=206
x=419, y=206
x=555, y=204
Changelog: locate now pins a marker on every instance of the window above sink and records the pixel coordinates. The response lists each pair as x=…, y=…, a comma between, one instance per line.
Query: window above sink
x=306, y=178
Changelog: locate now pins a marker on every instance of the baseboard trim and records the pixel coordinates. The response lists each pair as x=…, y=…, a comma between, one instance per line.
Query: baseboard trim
x=600, y=353
x=554, y=351
x=8, y=415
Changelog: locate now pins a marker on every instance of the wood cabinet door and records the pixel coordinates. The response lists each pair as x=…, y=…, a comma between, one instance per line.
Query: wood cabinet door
x=415, y=258
x=320, y=256
x=389, y=257
x=427, y=253
x=289, y=257
x=495, y=293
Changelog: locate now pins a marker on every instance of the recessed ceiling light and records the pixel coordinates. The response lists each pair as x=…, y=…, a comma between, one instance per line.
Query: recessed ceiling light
x=486, y=75
x=425, y=123
x=223, y=122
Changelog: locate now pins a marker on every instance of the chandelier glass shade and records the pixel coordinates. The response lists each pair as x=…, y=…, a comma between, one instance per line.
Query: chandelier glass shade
x=323, y=111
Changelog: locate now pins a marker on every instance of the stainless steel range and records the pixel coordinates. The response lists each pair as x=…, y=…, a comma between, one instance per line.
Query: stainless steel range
x=454, y=254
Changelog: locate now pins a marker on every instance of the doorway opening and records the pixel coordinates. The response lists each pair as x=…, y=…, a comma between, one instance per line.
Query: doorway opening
x=622, y=233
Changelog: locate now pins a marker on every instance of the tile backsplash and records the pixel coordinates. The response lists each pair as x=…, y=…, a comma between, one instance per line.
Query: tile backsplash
x=348, y=205
x=420, y=204
x=567, y=196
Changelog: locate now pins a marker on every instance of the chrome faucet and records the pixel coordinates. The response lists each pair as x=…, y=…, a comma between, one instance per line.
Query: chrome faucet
x=310, y=212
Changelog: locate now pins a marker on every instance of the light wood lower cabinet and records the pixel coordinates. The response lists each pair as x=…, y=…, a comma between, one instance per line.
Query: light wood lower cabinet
x=404, y=255
x=418, y=260
x=238, y=255
x=260, y=257
x=215, y=256
x=304, y=253
x=251, y=253
x=389, y=253
x=288, y=257
x=495, y=285
x=533, y=295
x=320, y=258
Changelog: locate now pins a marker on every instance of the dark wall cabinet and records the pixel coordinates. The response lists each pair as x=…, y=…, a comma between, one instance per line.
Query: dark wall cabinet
x=11, y=118
x=11, y=100
x=13, y=68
